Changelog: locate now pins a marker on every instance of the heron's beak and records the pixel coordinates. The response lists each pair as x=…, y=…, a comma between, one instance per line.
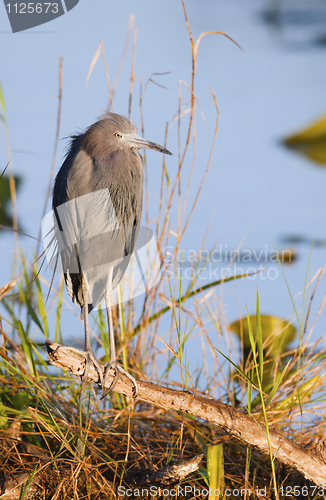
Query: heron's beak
x=138, y=142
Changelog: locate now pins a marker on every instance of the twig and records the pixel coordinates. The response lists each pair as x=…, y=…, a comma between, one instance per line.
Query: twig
x=56, y=141
x=165, y=475
x=132, y=74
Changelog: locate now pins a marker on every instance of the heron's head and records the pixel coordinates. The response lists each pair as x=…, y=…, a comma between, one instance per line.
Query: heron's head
x=113, y=133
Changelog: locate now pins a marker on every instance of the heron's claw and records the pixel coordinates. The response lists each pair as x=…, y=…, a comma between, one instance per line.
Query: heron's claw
x=89, y=359
x=118, y=371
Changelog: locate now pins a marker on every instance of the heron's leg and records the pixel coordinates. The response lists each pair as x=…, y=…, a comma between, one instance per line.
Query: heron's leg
x=89, y=357
x=113, y=357
x=87, y=346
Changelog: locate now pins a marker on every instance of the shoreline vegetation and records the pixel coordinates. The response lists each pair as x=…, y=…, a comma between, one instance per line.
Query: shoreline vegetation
x=253, y=429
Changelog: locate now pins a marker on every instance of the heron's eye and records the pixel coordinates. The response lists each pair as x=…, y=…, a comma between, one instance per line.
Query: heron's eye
x=118, y=135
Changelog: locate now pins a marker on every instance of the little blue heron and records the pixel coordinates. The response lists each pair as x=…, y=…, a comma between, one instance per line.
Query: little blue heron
x=97, y=246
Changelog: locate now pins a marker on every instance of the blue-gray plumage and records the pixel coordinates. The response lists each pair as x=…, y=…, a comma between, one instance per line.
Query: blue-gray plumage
x=104, y=159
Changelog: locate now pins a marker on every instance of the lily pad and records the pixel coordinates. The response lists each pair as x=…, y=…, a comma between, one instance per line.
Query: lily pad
x=277, y=330
x=311, y=142
x=277, y=333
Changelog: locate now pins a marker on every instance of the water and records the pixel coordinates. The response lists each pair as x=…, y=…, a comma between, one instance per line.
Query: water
x=260, y=191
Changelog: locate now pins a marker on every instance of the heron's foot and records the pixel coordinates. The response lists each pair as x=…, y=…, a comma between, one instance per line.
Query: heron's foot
x=89, y=359
x=114, y=365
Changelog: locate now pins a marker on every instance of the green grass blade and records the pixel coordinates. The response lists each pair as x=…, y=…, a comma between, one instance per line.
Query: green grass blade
x=251, y=337
x=27, y=348
x=58, y=314
x=259, y=340
x=277, y=384
x=25, y=488
x=41, y=305
x=235, y=366
x=30, y=309
x=215, y=468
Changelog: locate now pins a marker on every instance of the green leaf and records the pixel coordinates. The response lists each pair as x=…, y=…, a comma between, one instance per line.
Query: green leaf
x=20, y=399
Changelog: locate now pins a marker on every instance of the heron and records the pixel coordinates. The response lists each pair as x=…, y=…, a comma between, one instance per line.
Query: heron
x=102, y=178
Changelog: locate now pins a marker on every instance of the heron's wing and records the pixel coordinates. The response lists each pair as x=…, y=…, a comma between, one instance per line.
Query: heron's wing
x=73, y=172
x=98, y=207
x=82, y=214
x=122, y=174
